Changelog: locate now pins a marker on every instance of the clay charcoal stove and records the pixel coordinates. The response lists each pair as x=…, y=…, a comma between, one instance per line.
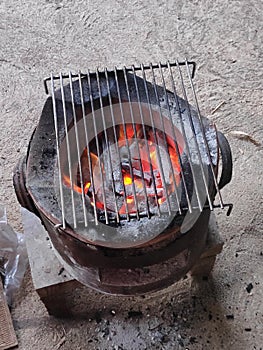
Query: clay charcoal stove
x=124, y=172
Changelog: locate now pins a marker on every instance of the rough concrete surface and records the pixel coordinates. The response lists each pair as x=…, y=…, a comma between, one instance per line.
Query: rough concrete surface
x=225, y=39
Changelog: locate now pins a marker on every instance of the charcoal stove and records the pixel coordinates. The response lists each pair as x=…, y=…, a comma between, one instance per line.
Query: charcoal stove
x=124, y=173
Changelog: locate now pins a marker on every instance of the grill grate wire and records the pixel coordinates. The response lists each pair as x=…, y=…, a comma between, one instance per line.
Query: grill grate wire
x=166, y=73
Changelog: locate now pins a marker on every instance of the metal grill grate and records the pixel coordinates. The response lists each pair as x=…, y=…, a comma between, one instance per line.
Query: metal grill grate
x=157, y=87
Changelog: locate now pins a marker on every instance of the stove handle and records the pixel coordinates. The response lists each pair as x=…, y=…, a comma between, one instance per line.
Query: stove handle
x=227, y=163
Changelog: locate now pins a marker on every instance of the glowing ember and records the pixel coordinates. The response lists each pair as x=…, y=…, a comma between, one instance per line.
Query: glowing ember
x=127, y=179
x=144, y=158
x=86, y=187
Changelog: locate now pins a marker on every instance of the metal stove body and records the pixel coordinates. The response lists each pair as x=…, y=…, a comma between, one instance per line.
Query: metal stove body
x=123, y=174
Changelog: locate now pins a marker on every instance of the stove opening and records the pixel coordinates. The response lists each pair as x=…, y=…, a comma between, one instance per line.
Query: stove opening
x=128, y=169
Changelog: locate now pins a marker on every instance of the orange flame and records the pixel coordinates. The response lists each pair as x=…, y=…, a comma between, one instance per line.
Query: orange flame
x=76, y=188
x=150, y=166
x=68, y=184
x=130, y=200
x=86, y=187
x=127, y=180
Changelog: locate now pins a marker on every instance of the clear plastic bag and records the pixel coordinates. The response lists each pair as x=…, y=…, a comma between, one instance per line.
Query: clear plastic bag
x=13, y=257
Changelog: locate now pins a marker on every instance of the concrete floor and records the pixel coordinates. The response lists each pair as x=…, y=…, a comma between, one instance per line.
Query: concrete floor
x=225, y=39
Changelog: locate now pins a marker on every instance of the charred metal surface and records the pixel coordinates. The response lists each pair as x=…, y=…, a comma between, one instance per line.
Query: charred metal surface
x=130, y=271
x=19, y=182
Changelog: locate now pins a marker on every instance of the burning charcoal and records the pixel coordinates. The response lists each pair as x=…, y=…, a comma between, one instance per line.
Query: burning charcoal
x=139, y=175
x=125, y=165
